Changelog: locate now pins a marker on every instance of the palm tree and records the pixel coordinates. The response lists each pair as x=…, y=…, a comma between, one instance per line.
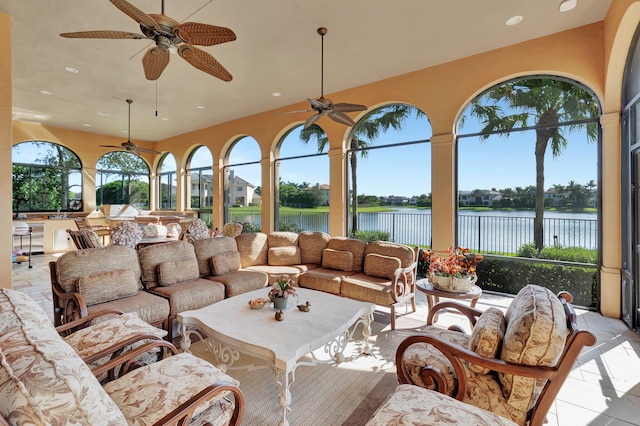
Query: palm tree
x=547, y=103
x=365, y=132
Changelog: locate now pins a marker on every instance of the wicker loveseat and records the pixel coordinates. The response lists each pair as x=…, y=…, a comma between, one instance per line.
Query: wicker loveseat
x=44, y=381
x=512, y=364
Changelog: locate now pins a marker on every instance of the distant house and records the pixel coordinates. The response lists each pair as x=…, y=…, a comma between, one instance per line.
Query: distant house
x=324, y=193
x=466, y=198
x=241, y=192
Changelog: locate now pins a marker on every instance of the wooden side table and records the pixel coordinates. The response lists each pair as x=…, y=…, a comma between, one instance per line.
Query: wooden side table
x=425, y=286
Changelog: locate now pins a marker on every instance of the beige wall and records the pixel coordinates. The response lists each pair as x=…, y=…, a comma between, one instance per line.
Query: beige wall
x=593, y=55
x=5, y=150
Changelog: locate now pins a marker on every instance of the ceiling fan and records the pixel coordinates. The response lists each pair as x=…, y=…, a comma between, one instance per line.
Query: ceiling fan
x=168, y=34
x=128, y=145
x=324, y=106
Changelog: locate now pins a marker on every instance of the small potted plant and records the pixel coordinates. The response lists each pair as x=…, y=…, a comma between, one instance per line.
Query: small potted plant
x=280, y=291
x=456, y=272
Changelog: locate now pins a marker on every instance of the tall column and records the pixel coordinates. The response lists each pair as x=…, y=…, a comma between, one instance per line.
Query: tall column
x=610, y=277
x=6, y=137
x=268, y=202
x=89, y=189
x=443, y=191
x=338, y=207
x=218, y=196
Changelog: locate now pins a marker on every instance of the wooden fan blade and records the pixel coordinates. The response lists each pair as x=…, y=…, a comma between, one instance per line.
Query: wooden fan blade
x=204, y=62
x=136, y=14
x=343, y=107
x=341, y=118
x=316, y=104
x=103, y=34
x=312, y=120
x=150, y=151
x=154, y=62
x=204, y=34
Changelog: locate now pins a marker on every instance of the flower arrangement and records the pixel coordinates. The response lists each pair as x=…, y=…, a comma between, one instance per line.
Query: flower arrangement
x=282, y=288
x=459, y=263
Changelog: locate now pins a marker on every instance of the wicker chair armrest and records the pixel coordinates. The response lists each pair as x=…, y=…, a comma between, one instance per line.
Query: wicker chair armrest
x=123, y=363
x=182, y=414
x=80, y=323
x=403, y=287
x=472, y=314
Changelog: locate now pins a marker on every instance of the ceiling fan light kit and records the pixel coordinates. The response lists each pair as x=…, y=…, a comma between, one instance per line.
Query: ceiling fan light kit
x=168, y=35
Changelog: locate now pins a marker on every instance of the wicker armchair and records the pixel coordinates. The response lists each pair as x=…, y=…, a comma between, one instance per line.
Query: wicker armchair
x=513, y=364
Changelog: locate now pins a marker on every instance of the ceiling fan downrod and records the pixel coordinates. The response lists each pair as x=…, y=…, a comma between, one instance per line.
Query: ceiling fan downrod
x=322, y=31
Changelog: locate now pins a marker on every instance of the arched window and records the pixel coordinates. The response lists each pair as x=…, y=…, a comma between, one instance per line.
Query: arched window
x=242, y=185
x=167, y=182
x=302, y=181
x=122, y=178
x=389, y=172
x=527, y=173
x=46, y=177
x=200, y=177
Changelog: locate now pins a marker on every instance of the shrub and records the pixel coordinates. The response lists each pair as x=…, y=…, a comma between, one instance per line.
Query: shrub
x=557, y=252
x=370, y=236
x=248, y=228
x=291, y=227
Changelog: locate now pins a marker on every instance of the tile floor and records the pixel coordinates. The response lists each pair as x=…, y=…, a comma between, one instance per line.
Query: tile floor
x=603, y=388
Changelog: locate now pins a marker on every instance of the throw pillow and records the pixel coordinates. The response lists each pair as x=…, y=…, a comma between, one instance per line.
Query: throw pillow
x=487, y=336
x=380, y=266
x=284, y=256
x=106, y=286
x=341, y=260
x=224, y=263
x=178, y=271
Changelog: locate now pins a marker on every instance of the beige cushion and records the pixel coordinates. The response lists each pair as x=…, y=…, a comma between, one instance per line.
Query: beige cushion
x=207, y=248
x=253, y=248
x=282, y=256
x=282, y=238
x=535, y=335
x=378, y=265
x=386, y=248
x=178, y=271
x=311, y=244
x=224, y=263
x=106, y=286
x=341, y=260
x=151, y=308
x=487, y=335
x=152, y=256
x=190, y=295
x=355, y=246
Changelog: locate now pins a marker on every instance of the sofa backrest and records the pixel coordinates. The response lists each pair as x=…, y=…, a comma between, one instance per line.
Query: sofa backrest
x=210, y=247
x=311, y=244
x=178, y=257
x=385, y=248
x=355, y=246
x=253, y=248
x=42, y=379
x=73, y=265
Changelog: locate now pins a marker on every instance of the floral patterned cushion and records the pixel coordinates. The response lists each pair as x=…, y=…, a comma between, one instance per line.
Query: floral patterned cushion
x=414, y=406
x=42, y=379
x=148, y=393
x=196, y=230
x=485, y=391
x=420, y=355
x=126, y=233
x=535, y=335
x=486, y=337
x=91, y=340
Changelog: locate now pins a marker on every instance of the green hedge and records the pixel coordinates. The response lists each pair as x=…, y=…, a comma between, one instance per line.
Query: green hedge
x=509, y=275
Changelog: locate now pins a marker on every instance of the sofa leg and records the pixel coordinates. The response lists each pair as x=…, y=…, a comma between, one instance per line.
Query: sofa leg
x=169, y=327
x=413, y=303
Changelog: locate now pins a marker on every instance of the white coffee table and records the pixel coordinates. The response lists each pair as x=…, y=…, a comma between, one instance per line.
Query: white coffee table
x=232, y=327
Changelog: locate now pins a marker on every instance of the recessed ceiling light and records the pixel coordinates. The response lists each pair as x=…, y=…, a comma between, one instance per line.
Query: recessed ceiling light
x=200, y=106
x=165, y=119
x=104, y=114
x=514, y=20
x=46, y=92
x=72, y=70
x=86, y=125
x=567, y=5
x=276, y=94
x=124, y=131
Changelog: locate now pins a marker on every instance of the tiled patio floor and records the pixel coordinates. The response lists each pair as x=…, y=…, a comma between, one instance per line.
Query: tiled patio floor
x=603, y=388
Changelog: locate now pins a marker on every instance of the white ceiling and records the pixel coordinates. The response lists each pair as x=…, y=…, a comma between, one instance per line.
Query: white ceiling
x=277, y=50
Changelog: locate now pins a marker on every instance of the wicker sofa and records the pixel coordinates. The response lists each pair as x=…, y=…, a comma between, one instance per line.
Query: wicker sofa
x=44, y=381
